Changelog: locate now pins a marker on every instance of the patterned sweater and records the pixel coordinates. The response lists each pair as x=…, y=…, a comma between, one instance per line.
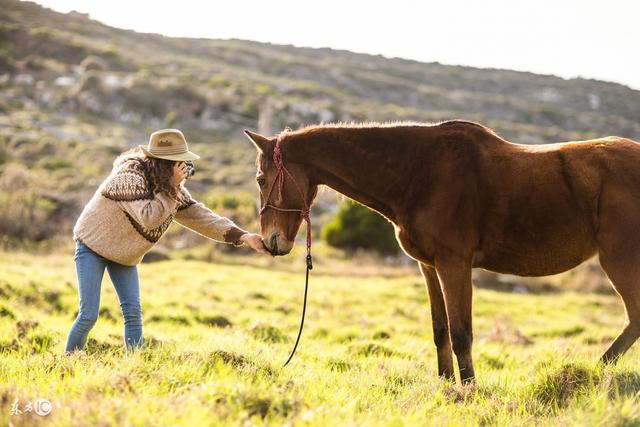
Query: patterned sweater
x=124, y=219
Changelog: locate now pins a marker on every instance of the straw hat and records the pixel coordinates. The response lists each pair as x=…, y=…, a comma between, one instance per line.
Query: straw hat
x=168, y=144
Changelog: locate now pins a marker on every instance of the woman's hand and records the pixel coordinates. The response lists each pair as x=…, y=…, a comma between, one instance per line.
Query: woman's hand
x=255, y=242
x=180, y=172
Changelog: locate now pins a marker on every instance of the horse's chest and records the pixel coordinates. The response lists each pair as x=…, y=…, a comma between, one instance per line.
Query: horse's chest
x=415, y=245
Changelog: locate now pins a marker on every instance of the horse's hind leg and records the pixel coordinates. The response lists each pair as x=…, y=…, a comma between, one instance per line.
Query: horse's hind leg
x=439, y=321
x=623, y=270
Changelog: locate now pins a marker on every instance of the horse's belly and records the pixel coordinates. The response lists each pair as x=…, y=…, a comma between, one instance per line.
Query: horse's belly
x=541, y=253
x=532, y=266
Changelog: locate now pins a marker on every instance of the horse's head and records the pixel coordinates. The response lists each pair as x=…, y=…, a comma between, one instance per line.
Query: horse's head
x=286, y=193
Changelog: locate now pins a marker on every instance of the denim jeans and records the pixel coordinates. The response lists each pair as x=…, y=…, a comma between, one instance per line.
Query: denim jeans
x=90, y=269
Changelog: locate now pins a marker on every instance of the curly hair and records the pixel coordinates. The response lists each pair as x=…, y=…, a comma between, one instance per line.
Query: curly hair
x=158, y=171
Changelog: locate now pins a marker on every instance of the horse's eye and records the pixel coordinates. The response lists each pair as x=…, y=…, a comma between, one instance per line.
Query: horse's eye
x=261, y=182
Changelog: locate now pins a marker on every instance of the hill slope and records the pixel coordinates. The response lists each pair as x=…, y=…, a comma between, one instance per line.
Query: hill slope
x=75, y=92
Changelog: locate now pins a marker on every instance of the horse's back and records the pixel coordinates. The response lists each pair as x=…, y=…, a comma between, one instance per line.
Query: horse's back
x=544, y=203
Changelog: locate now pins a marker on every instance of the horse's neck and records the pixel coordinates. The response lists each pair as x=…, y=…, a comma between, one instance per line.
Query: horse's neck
x=347, y=161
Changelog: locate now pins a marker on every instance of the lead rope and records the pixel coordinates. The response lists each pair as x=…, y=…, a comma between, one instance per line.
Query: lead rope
x=306, y=289
x=306, y=216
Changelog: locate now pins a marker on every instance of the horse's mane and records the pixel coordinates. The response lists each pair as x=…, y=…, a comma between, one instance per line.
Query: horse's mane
x=384, y=125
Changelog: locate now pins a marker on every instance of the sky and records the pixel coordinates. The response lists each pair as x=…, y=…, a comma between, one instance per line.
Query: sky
x=569, y=38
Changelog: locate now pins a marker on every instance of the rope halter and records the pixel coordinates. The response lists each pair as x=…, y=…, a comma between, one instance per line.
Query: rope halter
x=278, y=182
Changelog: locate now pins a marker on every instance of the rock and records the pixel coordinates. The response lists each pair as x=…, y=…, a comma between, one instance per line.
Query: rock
x=65, y=81
x=24, y=79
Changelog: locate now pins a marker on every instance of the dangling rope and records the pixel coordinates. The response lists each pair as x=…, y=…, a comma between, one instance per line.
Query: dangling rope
x=304, y=303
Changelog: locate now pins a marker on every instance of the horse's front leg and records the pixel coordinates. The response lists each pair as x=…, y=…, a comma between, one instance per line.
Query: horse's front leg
x=455, y=277
x=439, y=321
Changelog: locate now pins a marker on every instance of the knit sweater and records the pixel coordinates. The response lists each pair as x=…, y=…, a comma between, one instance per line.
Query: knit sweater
x=124, y=219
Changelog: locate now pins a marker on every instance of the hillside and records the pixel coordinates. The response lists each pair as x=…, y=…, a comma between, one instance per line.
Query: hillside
x=75, y=92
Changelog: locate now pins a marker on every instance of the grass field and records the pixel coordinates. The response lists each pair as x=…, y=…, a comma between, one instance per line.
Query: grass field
x=217, y=335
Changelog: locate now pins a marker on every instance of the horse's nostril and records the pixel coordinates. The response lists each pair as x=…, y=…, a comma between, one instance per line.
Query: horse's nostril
x=274, y=243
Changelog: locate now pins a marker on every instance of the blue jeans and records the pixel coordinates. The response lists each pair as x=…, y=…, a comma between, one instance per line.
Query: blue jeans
x=90, y=270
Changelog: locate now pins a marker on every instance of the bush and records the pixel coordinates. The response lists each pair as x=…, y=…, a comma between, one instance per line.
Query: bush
x=240, y=207
x=29, y=209
x=356, y=226
x=56, y=162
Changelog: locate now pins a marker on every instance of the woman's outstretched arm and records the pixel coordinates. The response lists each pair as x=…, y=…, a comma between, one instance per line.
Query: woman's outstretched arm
x=204, y=221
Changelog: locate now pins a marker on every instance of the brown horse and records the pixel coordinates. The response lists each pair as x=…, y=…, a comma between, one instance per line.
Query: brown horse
x=461, y=197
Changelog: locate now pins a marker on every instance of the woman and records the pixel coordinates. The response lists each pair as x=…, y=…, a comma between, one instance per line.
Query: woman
x=127, y=215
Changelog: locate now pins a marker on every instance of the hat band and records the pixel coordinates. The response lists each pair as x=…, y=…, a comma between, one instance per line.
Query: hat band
x=168, y=150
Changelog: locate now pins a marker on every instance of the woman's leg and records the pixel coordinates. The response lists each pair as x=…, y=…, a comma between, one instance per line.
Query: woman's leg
x=90, y=270
x=125, y=280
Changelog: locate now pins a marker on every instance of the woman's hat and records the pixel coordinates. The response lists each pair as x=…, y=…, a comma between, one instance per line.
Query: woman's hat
x=168, y=144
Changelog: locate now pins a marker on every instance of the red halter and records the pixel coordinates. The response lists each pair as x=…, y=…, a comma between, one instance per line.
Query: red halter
x=279, y=181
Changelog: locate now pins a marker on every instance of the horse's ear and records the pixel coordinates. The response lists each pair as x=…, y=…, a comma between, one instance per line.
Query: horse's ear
x=262, y=143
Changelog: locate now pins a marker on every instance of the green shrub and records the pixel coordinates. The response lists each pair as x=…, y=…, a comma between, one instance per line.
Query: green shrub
x=170, y=119
x=56, y=162
x=240, y=207
x=219, y=80
x=356, y=226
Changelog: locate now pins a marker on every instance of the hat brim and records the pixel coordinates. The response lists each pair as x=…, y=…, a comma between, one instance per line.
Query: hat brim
x=182, y=157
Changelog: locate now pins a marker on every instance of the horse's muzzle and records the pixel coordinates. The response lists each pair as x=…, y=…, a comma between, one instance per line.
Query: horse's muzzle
x=278, y=246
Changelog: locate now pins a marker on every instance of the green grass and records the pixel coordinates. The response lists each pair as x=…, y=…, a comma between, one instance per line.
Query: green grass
x=217, y=335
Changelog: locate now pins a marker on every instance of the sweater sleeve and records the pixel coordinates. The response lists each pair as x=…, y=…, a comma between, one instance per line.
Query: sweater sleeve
x=202, y=220
x=150, y=213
